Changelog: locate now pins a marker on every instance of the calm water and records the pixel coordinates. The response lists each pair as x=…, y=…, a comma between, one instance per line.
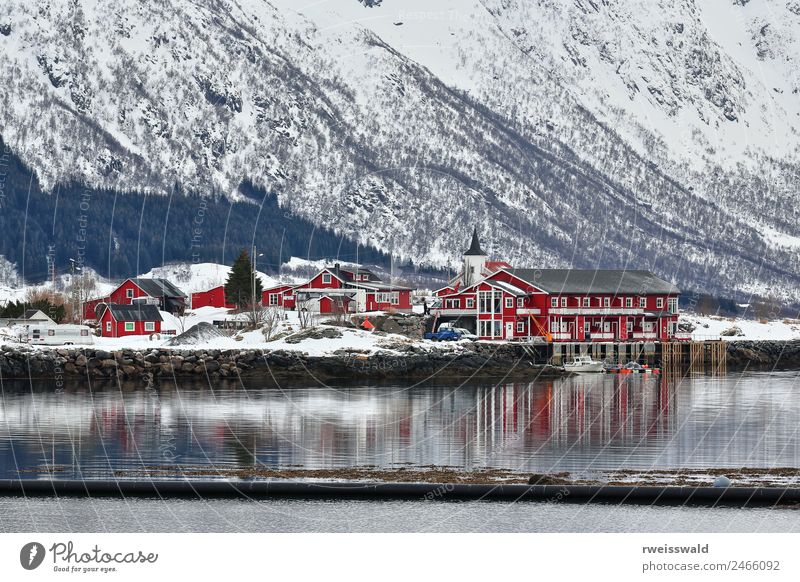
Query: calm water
x=177, y=515
x=578, y=424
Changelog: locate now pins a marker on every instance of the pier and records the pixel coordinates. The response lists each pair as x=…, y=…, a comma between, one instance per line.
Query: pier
x=695, y=357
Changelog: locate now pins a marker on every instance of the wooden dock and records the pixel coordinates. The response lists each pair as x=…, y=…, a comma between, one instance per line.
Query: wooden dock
x=694, y=357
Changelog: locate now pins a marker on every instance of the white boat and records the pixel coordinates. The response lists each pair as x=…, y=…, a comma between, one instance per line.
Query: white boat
x=583, y=364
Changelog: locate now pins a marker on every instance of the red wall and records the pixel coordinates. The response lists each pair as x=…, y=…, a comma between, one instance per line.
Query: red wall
x=118, y=327
x=404, y=302
x=212, y=298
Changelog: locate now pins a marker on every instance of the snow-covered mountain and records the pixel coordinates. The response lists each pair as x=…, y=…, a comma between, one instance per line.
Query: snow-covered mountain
x=648, y=134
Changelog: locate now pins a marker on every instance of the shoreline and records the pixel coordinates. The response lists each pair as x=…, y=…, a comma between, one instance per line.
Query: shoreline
x=788, y=497
x=473, y=360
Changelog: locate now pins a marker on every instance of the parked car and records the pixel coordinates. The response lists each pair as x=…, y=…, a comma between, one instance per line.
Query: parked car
x=465, y=333
x=60, y=335
x=444, y=335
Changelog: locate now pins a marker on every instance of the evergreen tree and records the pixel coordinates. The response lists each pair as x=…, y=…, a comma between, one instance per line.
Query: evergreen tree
x=239, y=286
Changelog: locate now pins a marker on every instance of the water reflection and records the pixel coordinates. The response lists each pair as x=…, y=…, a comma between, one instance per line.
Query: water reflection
x=577, y=424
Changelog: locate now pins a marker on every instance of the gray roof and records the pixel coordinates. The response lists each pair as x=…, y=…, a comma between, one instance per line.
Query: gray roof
x=158, y=287
x=581, y=281
x=475, y=245
x=338, y=271
x=135, y=312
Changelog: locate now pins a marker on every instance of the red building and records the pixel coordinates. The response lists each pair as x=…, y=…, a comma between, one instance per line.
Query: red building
x=341, y=289
x=159, y=292
x=559, y=305
x=122, y=320
x=212, y=298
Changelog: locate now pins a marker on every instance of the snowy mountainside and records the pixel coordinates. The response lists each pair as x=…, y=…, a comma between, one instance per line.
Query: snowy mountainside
x=659, y=135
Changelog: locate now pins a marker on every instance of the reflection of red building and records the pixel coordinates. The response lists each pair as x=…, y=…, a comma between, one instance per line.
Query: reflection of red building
x=340, y=289
x=497, y=301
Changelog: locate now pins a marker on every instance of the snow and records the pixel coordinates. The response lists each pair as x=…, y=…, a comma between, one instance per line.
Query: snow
x=710, y=327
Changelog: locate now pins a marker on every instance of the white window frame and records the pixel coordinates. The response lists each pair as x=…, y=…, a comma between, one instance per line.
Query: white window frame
x=520, y=302
x=326, y=278
x=563, y=302
x=672, y=304
x=395, y=298
x=606, y=326
x=642, y=302
x=554, y=302
x=587, y=301
x=509, y=303
x=629, y=326
x=520, y=327
x=149, y=325
x=129, y=293
x=659, y=303
x=132, y=325
x=470, y=301
x=606, y=301
x=587, y=326
x=108, y=326
x=629, y=302
x=273, y=299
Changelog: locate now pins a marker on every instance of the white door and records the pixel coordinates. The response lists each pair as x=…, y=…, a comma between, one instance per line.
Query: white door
x=509, y=329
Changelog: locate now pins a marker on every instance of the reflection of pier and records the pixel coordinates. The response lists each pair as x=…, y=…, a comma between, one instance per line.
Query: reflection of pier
x=586, y=411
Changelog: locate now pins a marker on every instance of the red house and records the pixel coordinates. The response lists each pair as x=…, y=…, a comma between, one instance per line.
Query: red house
x=212, y=298
x=340, y=289
x=158, y=292
x=123, y=320
x=559, y=305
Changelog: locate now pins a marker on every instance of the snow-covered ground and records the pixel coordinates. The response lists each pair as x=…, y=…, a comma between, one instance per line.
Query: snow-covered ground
x=711, y=327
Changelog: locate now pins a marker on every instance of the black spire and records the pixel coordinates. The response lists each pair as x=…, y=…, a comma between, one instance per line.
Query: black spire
x=475, y=246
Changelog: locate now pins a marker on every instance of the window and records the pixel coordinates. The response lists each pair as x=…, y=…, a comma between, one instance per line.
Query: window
x=520, y=327
x=563, y=302
x=149, y=326
x=51, y=332
x=629, y=326
x=470, y=303
x=586, y=301
x=395, y=298
x=660, y=303
x=642, y=302
x=672, y=302
x=606, y=326
x=129, y=293
x=520, y=302
x=629, y=302
x=587, y=326
x=108, y=326
x=606, y=301
x=84, y=332
x=451, y=303
x=273, y=298
x=489, y=301
x=489, y=328
x=554, y=302
x=326, y=278
x=129, y=326
x=509, y=302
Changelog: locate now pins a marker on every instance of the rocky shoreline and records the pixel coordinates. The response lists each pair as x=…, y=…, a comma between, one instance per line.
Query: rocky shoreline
x=158, y=364
x=763, y=355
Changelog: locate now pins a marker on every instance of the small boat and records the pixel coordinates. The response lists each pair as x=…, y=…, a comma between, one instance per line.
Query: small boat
x=631, y=368
x=583, y=364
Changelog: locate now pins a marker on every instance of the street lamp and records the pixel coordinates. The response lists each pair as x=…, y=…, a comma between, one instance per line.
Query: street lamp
x=75, y=292
x=253, y=296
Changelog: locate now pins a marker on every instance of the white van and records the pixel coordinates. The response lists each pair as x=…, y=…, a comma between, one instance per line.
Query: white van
x=60, y=335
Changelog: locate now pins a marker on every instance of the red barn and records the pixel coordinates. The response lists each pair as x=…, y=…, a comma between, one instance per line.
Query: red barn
x=123, y=320
x=212, y=298
x=158, y=292
x=337, y=288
